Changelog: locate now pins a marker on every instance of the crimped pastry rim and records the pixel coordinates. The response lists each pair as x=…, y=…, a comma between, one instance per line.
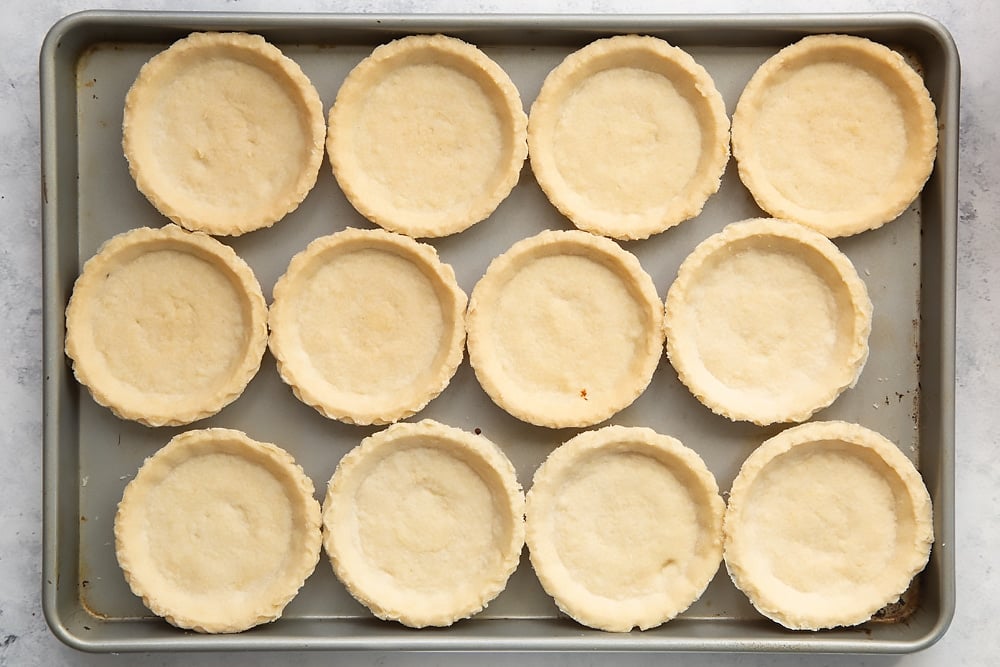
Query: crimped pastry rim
x=609, y=53
x=884, y=63
x=738, y=554
x=142, y=578
x=353, y=93
x=363, y=409
x=491, y=373
x=346, y=555
x=129, y=402
x=162, y=196
x=572, y=597
x=681, y=345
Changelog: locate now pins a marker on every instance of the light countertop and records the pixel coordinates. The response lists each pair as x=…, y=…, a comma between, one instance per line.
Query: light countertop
x=972, y=638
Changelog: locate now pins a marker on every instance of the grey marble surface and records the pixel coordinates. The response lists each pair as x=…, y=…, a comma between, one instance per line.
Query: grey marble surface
x=972, y=638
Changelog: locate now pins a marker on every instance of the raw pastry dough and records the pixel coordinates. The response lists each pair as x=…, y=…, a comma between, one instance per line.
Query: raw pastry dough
x=427, y=136
x=835, y=132
x=217, y=532
x=166, y=326
x=565, y=329
x=624, y=527
x=827, y=523
x=628, y=137
x=767, y=321
x=367, y=326
x=223, y=133
x=424, y=523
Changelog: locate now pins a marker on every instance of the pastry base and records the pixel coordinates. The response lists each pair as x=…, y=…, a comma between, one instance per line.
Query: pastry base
x=427, y=136
x=624, y=527
x=628, y=137
x=424, y=523
x=218, y=532
x=836, y=132
x=827, y=523
x=767, y=321
x=223, y=133
x=565, y=329
x=165, y=326
x=367, y=326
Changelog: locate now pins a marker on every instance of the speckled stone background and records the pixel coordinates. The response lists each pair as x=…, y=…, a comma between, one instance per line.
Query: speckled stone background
x=972, y=639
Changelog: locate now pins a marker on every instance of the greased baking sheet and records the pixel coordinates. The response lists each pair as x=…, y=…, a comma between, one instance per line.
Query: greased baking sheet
x=906, y=391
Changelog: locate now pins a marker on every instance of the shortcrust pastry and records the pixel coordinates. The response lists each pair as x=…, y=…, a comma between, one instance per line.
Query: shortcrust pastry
x=565, y=329
x=827, y=523
x=223, y=133
x=835, y=132
x=166, y=326
x=367, y=326
x=427, y=136
x=628, y=137
x=767, y=321
x=217, y=532
x=424, y=523
x=624, y=527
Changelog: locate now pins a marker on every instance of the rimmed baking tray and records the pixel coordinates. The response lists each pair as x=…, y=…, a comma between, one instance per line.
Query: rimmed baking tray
x=87, y=63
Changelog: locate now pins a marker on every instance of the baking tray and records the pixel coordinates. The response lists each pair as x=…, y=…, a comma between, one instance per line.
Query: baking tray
x=87, y=63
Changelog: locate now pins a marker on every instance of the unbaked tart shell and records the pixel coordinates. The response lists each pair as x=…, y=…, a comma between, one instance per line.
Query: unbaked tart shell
x=767, y=321
x=218, y=532
x=165, y=326
x=628, y=137
x=367, y=326
x=836, y=132
x=565, y=329
x=424, y=523
x=427, y=136
x=223, y=133
x=624, y=527
x=827, y=523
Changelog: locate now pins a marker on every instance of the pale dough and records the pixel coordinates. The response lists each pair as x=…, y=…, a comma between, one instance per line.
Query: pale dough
x=827, y=523
x=565, y=329
x=767, y=321
x=836, y=132
x=367, y=326
x=223, y=133
x=624, y=527
x=165, y=326
x=628, y=136
x=427, y=136
x=424, y=523
x=217, y=532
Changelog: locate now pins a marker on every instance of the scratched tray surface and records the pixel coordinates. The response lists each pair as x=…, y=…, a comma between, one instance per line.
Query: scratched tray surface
x=904, y=392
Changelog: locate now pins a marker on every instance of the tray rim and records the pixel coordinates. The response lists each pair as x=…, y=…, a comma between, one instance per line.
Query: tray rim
x=54, y=365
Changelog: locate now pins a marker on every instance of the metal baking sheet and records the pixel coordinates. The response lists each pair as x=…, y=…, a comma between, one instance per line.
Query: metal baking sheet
x=88, y=62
